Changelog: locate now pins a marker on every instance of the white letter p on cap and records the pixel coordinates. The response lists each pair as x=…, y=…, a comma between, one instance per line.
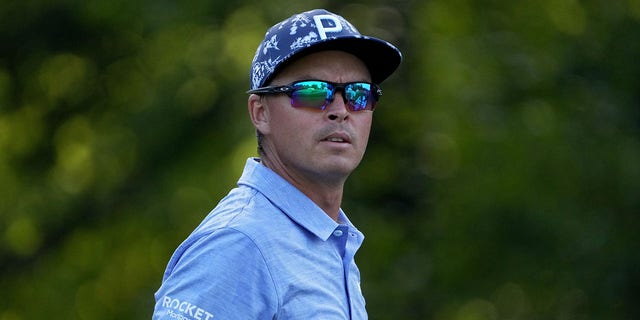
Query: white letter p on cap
x=322, y=30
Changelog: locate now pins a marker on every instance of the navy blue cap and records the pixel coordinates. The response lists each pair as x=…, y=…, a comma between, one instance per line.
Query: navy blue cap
x=320, y=30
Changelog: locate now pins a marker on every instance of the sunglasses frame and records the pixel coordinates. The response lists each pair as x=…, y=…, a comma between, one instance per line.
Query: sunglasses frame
x=289, y=89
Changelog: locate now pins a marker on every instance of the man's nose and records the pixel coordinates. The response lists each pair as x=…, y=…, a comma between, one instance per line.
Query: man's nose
x=337, y=108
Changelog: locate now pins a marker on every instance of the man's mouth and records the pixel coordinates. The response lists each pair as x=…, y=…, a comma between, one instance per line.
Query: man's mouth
x=338, y=137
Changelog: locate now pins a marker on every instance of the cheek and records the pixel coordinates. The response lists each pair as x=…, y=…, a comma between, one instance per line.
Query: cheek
x=364, y=130
x=290, y=129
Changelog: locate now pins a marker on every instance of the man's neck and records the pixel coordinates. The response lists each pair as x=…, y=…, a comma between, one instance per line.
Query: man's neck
x=326, y=194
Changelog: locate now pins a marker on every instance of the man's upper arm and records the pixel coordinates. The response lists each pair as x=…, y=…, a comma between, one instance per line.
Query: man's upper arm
x=222, y=275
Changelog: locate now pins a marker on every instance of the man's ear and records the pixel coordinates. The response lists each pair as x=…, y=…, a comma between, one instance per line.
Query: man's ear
x=259, y=113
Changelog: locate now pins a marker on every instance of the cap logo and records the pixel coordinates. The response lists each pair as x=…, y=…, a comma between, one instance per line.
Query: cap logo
x=333, y=26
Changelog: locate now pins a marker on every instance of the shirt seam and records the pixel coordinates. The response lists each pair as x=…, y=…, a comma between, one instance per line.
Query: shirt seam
x=255, y=243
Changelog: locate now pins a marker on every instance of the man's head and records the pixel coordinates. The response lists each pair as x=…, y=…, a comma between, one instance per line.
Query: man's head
x=316, y=131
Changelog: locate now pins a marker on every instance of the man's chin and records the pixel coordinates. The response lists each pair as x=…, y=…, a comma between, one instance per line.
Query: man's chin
x=340, y=167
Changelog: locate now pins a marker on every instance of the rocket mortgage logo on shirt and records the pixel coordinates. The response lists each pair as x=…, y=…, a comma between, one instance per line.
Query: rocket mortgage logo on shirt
x=184, y=310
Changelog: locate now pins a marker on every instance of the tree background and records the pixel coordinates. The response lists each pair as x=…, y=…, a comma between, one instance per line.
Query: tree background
x=502, y=179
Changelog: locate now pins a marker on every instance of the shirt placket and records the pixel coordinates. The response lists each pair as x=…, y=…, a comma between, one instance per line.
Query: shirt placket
x=347, y=243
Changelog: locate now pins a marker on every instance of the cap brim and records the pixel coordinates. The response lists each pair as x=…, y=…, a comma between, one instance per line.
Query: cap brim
x=380, y=57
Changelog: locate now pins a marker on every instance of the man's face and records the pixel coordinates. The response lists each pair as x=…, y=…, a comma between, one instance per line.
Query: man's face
x=317, y=146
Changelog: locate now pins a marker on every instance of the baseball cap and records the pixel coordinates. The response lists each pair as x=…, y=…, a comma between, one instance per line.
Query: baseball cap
x=320, y=30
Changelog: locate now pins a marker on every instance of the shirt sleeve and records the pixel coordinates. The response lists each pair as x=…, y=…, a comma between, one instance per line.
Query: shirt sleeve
x=222, y=275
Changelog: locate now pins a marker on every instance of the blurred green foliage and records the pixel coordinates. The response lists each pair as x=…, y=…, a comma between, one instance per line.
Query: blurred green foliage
x=502, y=179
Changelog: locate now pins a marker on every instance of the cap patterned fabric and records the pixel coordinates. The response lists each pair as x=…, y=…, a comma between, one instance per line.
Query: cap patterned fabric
x=319, y=30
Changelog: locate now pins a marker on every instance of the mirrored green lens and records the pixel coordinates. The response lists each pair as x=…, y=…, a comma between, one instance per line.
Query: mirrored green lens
x=311, y=94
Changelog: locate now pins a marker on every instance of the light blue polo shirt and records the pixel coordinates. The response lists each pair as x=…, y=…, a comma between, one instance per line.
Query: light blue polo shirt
x=265, y=252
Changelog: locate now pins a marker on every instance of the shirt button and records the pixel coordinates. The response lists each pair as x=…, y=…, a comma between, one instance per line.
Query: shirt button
x=337, y=233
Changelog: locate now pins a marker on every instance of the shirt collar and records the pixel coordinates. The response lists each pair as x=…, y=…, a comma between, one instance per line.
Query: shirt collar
x=295, y=204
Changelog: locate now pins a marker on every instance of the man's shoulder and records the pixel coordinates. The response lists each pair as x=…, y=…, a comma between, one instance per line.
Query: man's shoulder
x=246, y=210
x=229, y=230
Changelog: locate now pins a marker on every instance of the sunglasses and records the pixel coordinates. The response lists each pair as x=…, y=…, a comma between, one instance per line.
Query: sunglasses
x=318, y=94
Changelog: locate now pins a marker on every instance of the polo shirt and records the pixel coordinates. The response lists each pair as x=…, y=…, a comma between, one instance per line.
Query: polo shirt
x=266, y=251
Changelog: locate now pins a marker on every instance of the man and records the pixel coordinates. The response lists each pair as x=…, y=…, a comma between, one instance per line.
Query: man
x=279, y=246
